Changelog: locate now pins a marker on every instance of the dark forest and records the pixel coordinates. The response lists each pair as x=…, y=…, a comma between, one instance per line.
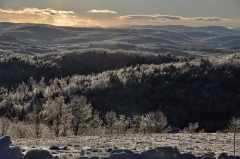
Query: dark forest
x=122, y=91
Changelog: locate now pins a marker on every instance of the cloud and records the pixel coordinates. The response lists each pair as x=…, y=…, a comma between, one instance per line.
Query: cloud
x=88, y=22
x=37, y=11
x=45, y=16
x=150, y=17
x=159, y=17
x=70, y=18
x=212, y=19
x=101, y=11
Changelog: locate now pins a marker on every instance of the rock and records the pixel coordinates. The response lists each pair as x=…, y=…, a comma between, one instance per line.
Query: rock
x=149, y=154
x=124, y=156
x=5, y=155
x=223, y=156
x=58, y=148
x=54, y=148
x=231, y=157
x=93, y=157
x=109, y=150
x=65, y=148
x=16, y=152
x=187, y=156
x=208, y=156
x=39, y=154
x=9, y=153
x=121, y=151
x=167, y=152
x=161, y=153
x=5, y=143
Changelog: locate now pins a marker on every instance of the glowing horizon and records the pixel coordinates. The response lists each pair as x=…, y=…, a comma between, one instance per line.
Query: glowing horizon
x=105, y=13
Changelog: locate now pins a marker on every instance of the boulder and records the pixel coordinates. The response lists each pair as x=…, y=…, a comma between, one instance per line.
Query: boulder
x=208, y=156
x=149, y=154
x=16, y=152
x=7, y=152
x=231, y=157
x=5, y=143
x=124, y=156
x=39, y=154
x=223, y=156
x=5, y=155
x=121, y=151
x=187, y=156
x=167, y=152
x=93, y=157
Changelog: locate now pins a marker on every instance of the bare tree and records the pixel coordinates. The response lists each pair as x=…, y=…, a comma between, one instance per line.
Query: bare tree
x=82, y=114
x=95, y=123
x=56, y=112
x=136, y=123
x=122, y=124
x=4, y=125
x=36, y=117
x=234, y=126
x=192, y=127
x=161, y=122
x=111, y=119
x=154, y=122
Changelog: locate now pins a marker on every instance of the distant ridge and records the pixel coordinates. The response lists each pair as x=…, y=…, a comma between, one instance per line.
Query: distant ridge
x=157, y=27
x=238, y=29
x=176, y=39
x=181, y=28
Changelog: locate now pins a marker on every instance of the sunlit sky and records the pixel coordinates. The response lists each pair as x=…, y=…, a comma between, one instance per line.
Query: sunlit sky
x=122, y=12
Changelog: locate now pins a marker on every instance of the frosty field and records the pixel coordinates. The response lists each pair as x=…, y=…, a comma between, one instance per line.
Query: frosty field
x=76, y=146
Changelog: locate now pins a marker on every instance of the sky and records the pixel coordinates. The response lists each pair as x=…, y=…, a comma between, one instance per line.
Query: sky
x=106, y=13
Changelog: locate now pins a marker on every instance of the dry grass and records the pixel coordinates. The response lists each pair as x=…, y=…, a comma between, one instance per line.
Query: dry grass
x=198, y=144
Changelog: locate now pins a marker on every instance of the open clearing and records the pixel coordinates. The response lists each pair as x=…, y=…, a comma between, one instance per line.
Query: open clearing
x=76, y=146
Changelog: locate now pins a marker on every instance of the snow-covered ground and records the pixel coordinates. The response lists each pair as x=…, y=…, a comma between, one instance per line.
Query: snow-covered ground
x=76, y=146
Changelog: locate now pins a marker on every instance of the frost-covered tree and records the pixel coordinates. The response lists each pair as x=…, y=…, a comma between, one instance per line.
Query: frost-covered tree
x=36, y=118
x=192, y=127
x=95, y=124
x=58, y=115
x=81, y=110
x=4, y=125
x=234, y=127
x=111, y=119
x=136, y=123
x=154, y=122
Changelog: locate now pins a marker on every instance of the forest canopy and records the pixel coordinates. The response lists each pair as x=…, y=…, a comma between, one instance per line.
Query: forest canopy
x=120, y=90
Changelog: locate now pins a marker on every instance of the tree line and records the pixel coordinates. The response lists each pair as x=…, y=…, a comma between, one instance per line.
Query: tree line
x=119, y=92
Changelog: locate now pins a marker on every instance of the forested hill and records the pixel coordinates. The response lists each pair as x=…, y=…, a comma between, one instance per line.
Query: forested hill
x=15, y=69
x=186, y=89
x=178, y=40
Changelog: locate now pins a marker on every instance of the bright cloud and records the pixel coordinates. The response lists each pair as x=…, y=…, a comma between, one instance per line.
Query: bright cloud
x=101, y=11
x=89, y=22
x=45, y=16
x=159, y=17
x=213, y=19
x=107, y=18
x=36, y=11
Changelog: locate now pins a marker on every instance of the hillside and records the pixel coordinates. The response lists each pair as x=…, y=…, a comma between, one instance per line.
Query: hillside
x=178, y=40
x=130, y=79
x=130, y=84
